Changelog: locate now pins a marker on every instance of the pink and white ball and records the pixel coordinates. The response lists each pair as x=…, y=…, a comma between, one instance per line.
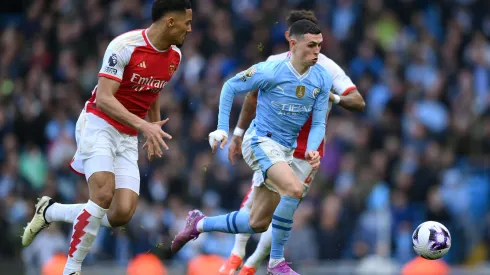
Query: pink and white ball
x=431, y=240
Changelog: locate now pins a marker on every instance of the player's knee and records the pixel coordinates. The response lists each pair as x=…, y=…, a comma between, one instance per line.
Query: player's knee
x=120, y=216
x=294, y=189
x=102, y=188
x=259, y=224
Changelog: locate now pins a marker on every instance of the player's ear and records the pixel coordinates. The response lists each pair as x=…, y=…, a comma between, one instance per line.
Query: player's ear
x=170, y=21
x=286, y=35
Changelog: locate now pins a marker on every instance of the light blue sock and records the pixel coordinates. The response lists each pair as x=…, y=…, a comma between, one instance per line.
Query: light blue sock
x=282, y=222
x=234, y=222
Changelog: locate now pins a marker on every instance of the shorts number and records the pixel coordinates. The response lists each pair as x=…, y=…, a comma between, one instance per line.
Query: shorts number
x=309, y=178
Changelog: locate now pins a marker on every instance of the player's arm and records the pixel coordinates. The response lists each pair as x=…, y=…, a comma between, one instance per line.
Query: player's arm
x=318, y=123
x=252, y=79
x=107, y=102
x=154, y=112
x=344, y=92
x=246, y=115
x=318, y=127
x=352, y=101
x=110, y=76
x=154, y=117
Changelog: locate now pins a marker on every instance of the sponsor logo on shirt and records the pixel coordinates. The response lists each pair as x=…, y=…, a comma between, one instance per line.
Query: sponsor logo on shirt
x=147, y=83
x=292, y=108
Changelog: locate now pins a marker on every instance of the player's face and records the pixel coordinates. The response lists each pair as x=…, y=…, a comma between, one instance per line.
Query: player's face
x=181, y=27
x=308, y=48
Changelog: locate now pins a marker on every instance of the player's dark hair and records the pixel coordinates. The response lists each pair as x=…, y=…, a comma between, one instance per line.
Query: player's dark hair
x=161, y=7
x=303, y=27
x=296, y=15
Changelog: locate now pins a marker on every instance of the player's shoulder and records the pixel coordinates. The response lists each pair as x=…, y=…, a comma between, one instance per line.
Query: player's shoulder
x=276, y=61
x=266, y=70
x=177, y=50
x=319, y=69
x=265, y=66
x=329, y=65
x=128, y=40
x=278, y=57
x=321, y=74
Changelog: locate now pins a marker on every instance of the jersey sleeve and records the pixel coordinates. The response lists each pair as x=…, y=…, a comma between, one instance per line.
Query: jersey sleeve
x=341, y=83
x=319, y=117
x=251, y=79
x=116, y=58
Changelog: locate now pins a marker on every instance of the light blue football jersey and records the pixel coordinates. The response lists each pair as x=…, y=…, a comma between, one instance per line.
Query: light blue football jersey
x=285, y=101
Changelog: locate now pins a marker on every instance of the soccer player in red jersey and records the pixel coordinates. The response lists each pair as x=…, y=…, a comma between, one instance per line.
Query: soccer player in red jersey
x=136, y=67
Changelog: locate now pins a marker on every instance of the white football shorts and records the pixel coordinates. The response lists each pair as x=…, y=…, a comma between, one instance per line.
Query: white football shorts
x=100, y=147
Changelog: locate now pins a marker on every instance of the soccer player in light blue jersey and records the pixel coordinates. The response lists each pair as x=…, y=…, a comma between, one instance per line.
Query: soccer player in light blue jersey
x=289, y=91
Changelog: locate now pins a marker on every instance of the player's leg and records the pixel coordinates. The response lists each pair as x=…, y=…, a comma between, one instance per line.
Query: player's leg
x=260, y=253
x=238, y=252
x=127, y=182
x=125, y=198
x=303, y=170
x=282, y=178
x=235, y=222
x=255, y=221
x=239, y=221
x=96, y=149
x=125, y=177
x=242, y=239
x=101, y=185
x=94, y=141
x=265, y=203
x=122, y=208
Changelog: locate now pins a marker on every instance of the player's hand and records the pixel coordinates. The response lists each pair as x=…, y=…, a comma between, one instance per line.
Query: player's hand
x=216, y=137
x=150, y=149
x=313, y=158
x=235, y=149
x=331, y=98
x=154, y=138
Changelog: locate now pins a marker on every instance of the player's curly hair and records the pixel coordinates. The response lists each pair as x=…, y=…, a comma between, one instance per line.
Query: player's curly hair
x=162, y=7
x=296, y=15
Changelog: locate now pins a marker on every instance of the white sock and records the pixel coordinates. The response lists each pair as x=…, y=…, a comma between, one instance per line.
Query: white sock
x=85, y=229
x=105, y=222
x=200, y=225
x=58, y=212
x=274, y=262
x=240, y=244
x=263, y=249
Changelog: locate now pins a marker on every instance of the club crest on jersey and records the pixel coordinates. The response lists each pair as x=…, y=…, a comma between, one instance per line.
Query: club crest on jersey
x=248, y=73
x=171, y=69
x=300, y=91
x=315, y=92
x=113, y=60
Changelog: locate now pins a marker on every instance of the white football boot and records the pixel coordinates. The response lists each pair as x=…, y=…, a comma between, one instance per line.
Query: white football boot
x=38, y=222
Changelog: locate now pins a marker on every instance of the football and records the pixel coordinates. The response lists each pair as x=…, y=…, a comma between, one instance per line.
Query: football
x=431, y=240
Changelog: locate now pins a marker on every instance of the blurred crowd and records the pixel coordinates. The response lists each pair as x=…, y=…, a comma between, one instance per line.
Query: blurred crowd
x=421, y=151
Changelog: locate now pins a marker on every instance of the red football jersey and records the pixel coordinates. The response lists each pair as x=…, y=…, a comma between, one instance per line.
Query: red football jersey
x=142, y=70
